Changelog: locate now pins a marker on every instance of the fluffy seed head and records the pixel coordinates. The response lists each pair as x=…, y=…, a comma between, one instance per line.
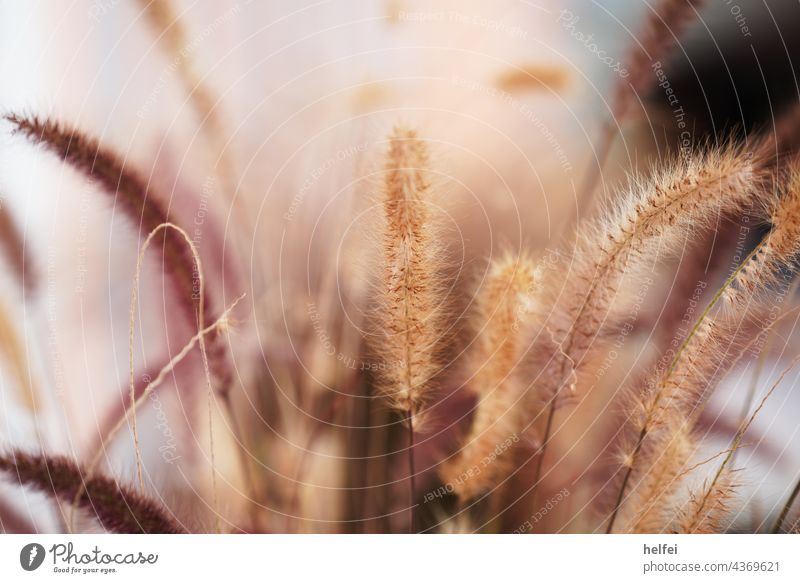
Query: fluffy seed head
x=411, y=296
x=500, y=414
x=655, y=214
x=117, y=508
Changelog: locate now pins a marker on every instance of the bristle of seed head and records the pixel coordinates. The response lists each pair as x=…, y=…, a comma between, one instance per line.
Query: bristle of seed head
x=782, y=243
x=707, y=510
x=501, y=306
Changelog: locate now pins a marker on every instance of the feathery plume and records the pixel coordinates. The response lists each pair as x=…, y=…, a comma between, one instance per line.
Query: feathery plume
x=692, y=191
x=656, y=212
x=117, y=508
x=499, y=415
x=688, y=376
x=411, y=311
x=668, y=398
x=411, y=298
x=103, y=166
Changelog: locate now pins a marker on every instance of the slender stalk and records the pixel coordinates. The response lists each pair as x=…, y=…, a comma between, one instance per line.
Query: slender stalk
x=626, y=478
x=551, y=413
x=412, y=507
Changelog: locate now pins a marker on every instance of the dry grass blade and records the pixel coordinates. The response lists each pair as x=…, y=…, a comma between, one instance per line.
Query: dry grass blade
x=116, y=507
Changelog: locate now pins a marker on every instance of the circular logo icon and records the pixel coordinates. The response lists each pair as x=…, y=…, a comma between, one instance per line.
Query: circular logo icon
x=31, y=556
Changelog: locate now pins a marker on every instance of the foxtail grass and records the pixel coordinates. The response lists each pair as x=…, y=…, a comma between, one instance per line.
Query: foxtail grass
x=656, y=212
x=116, y=507
x=411, y=311
x=500, y=414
